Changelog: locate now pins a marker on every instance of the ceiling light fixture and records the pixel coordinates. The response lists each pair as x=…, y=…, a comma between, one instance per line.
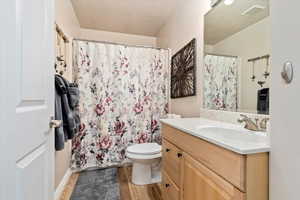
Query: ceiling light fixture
x=228, y=2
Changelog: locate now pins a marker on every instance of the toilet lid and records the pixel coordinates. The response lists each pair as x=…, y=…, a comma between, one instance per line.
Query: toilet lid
x=145, y=149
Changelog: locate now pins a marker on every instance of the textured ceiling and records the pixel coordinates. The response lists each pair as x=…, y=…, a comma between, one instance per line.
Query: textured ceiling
x=224, y=21
x=142, y=17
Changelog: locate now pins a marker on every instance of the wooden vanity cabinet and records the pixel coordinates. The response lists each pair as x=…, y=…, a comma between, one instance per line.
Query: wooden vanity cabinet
x=194, y=169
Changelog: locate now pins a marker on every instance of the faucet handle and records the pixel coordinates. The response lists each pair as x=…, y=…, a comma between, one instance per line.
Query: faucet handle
x=263, y=123
x=266, y=119
x=244, y=116
x=242, y=119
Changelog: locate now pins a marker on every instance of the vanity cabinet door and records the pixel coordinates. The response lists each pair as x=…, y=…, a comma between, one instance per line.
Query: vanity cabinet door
x=172, y=157
x=200, y=183
x=169, y=189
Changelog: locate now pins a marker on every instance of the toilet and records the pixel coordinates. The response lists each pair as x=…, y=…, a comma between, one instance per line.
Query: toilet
x=146, y=159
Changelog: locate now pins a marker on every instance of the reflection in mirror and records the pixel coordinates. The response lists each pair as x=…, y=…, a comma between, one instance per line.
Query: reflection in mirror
x=237, y=68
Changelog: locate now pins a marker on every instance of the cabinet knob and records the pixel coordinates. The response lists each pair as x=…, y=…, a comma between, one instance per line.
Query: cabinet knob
x=179, y=155
x=167, y=150
x=167, y=185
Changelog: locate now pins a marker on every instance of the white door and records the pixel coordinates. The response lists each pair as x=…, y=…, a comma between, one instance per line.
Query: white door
x=285, y=102
x=27, y=99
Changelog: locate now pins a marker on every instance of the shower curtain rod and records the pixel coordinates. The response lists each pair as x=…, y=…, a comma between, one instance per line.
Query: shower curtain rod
x=114, y=43
x=259, y=58
x=212, y=54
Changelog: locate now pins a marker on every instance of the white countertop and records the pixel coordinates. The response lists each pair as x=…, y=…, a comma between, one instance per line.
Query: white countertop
x=229, y=136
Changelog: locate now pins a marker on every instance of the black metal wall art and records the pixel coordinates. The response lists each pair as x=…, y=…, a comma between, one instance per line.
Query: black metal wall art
x=183, y=71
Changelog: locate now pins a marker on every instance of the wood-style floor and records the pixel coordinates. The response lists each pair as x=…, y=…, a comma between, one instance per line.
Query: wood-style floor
x=128, y=191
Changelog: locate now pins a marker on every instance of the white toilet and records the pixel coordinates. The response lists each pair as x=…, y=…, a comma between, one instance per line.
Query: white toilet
x=146, y=159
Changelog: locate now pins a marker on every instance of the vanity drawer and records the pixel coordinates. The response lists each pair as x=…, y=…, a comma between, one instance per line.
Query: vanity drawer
x=170, y=191
x=172, y=157
x=227, y=164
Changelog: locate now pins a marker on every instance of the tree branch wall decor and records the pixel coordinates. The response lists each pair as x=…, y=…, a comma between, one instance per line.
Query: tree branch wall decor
x=183, y=71
x=61, y=51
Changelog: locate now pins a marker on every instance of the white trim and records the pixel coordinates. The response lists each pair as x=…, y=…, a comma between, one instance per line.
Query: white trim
x=60, y=188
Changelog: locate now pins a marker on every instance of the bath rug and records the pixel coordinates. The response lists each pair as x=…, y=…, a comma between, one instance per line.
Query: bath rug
x=99, y=184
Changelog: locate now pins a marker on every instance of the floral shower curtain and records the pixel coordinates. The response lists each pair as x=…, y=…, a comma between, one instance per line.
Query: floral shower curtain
x=124, y=93
x=220, y=82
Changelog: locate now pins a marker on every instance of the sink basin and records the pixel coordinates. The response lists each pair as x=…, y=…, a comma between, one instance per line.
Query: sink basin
x=233, y=134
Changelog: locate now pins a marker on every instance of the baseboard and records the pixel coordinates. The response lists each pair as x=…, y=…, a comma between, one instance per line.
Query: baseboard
x=60, y=188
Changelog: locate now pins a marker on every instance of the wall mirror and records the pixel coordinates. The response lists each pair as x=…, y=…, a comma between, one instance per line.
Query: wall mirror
x=237, y=70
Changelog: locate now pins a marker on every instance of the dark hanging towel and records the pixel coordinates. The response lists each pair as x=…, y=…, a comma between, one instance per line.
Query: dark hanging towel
x=263, y=98
x=66, y=101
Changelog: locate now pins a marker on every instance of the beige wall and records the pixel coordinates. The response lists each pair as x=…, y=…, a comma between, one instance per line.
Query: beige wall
x=65, y=16
x=67, y=21
x=121, y=38
x=186, y=24
x=249, y=43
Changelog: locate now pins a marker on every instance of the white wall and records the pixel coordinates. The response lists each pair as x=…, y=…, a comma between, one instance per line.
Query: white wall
x=185, y=24
x=251, y=42
x=285, y=107
x=121, y=38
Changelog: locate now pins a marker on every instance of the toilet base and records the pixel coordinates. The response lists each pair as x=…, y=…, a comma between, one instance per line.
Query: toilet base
x=145, y=173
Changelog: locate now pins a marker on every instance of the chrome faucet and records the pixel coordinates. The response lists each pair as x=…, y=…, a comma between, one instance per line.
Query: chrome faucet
x=249, y=124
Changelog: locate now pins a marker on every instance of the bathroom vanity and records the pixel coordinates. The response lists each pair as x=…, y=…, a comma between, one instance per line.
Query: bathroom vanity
x=210, y=160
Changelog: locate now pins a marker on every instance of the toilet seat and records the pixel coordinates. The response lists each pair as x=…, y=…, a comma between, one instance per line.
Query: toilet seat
x=145, y=149
x=143, y=157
